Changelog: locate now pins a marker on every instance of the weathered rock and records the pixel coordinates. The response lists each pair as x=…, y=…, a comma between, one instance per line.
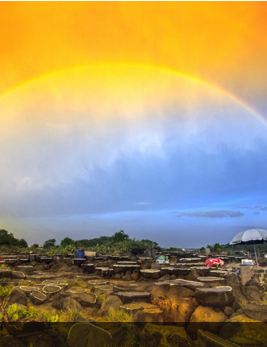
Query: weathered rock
x=112, y=302
x=198, y=271
x=218, y=273
x=206, y=338
x=135, y=276
x=86, y=299
x=256, y=311
x=66, y=303
x=88, y=335
x=228, y=311
x=58, y=267
x=51, y=290
x=28, y=289
x=165, y=278
x=231, y=279
x=117, y=276
x=252, y=293
x=164, y=335
x=150, y=273
x=215, y=297
x=17, y=275
x=37, y=298
x=25, y=268
x=239, y=297
x=256, y=284
x=127, y=278
x=17, y=297
x=205, y=318
x=149, y=315
x=5, y=273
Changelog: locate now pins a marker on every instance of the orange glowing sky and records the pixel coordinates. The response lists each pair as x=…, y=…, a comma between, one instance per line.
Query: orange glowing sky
x=222, y=43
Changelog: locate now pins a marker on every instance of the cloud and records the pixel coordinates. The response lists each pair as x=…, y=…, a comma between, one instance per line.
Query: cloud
x=256, y=212
x=212, y=214
x=143, y=203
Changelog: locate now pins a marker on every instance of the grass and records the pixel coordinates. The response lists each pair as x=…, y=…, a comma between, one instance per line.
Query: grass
x=4, y=267
x=119, y=316
x=69, y=316
x=15, y=313
x=53, y=317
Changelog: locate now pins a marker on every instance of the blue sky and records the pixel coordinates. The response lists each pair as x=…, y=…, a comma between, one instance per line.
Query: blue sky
x=187, y=170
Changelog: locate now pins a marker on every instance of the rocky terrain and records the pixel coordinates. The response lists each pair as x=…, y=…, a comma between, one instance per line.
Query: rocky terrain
x=128, y=301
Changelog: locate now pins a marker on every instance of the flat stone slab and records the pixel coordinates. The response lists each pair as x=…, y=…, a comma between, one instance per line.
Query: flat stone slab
x=5, y=273
x=212, y=281
x=123, y=268
x=150, y=273
x=90, y=268
x=28, y=289
x=45, y=259
x=218, y=273
x=11, y=261
x=126, y=262
x=24, y=260
x=17, y=275
x=51, y=290
x=134, y=307
x=25, y=268
x=170, y=270
x=215, y=297
x=128, y=297
x=97, y=283
x=189, y=260
x=125, y=288
x=87, y=299
x=180, y=282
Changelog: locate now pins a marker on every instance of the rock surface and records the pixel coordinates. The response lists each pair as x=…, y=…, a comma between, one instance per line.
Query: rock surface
x=215, y=297
x=207, y=319
x=38, y=298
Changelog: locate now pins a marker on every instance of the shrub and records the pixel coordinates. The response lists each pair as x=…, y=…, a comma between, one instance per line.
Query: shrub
x=5, y=291
x=15, y=313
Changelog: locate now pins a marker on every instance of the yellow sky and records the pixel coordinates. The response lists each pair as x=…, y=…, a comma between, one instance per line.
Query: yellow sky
x=223, y=43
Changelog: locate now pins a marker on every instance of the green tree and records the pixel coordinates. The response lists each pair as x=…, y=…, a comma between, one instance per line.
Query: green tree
x=66, y=242
x=49, y=243
x=7, y=238
x=22, y=243
x=217, y=248
x=119, y=236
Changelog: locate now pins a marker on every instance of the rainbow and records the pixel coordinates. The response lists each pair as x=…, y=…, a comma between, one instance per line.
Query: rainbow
x=231, y=96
